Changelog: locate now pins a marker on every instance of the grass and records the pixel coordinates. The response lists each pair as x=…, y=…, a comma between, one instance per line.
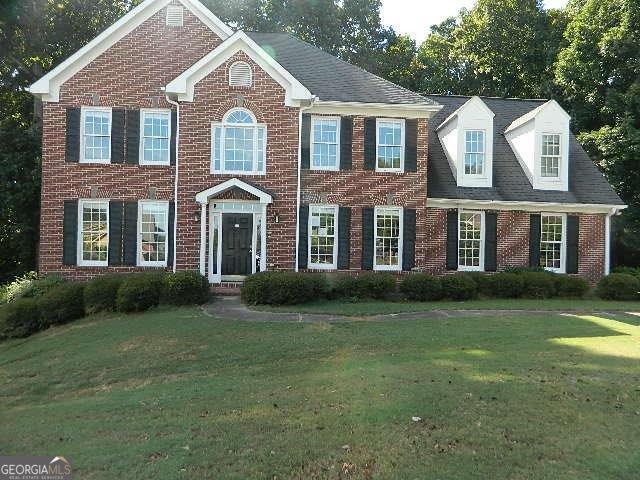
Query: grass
x=173, y=394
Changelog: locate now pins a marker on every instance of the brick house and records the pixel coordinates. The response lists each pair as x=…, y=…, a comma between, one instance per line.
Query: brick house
x=172, y=142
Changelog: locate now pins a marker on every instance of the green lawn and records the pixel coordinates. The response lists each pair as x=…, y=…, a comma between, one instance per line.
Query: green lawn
x=173, y=394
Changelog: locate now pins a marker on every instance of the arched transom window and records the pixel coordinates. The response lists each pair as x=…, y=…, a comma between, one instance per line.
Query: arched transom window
x=238, y=144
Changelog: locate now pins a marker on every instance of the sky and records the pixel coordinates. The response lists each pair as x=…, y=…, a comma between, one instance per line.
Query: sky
x=414, y=17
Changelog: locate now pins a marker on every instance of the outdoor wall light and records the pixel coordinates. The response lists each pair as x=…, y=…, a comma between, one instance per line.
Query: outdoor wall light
x=196, y=217
x=276, y=218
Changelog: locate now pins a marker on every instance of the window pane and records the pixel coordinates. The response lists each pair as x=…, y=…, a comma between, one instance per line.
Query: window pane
x=239, y=116
x=389, y=145
x=96, y=136
x=474, y=152
x=153, y=231
x=322, y=235
x=387, y=237
x=155, y=138
x=550, y=160
x=551, y=241
x=469, y=239
x=325, y=142
x=238, y=148
x=94, y=230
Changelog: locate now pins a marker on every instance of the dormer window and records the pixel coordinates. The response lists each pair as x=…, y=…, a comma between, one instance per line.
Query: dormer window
x=474, y=152
x=550, y=159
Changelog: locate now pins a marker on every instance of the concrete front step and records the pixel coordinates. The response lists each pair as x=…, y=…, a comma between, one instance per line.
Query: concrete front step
x=227, y=288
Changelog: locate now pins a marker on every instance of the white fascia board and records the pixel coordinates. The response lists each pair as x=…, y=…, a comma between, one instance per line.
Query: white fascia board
x=474, y=99
x=403, y=110
x=204, y=196
x=551, y=207
x=183, y=87
x=48, y=87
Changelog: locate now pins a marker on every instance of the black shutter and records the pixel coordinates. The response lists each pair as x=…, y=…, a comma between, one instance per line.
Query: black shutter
x=306, y=142
x=573, y=238
x=174, y=136
x=70, y=233
x=116, y=221
x=346, y=143
x=117, y=135
x=534, y=240
x=303, y=237
x=491, y=241
x=170, y=233
x=409, y=239
x=452, y=240
x=411, y=146
x=344, y=238
x=370, y=143
x=130, y=234
x=133, y=137
x=73, y=135
x=367, y=238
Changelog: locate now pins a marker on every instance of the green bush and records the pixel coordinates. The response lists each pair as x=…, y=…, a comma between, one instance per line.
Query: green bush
x=570, y=286
x=503, y=285
x=62, y=304
x=346, y=287
x=20, y=319
x=421, y=287
x=139, y=292
x=628, y=270
x=185, y=288
x=368, y=285
x=29, y=286
x=101, y=293
x=619, y=286
x=283, y=288
x=521, y=270
x=539, y=284
x=459, y=286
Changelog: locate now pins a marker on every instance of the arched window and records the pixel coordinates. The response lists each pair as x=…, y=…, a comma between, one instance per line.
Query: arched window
x=238, y=144
x=240, y=75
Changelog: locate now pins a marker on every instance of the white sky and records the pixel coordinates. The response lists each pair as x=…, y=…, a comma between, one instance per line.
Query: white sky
x=415, y=17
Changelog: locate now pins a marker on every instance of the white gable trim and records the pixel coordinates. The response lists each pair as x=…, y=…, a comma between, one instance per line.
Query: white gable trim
x=536, y=207
x=204, y=196
x=48, y=87
x=183, y=87
x=474, y=99
x=526, y=118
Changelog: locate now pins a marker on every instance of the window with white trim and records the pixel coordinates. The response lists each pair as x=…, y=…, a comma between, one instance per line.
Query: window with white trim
x=550, y=159
x=470, y=240
x=552, y=242
x=390, y=145
x=474, y=152
x=153, y=235
x=238, y=144
x=93, y=233
x=240, y=75
x=323, y=238
x=155, y=130
x=388, y=238
x=325, y=143
x=96, y=135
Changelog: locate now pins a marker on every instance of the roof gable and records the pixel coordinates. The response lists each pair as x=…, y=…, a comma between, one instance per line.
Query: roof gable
x=471, y=103
x=528, y=117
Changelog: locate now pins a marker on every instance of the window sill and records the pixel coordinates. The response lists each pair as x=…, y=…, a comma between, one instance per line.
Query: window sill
x=153, y=164
x=95, y=162
x=462, y=268
x=387, y=268
x=389, y=170
x=237, y=172
x=322, y=267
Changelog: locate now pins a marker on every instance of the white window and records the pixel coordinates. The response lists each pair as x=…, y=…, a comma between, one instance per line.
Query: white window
x=470, y=241
x=550, y=159
x=240, y=75
x=474, y=150
x=93, y=233
x=153, y=237
x=390, y=145
x=323, y=236
x=552, y=242
x=155, y=130
x=388, y=238
x=325, y=143
x=96, y=135
x=238, y=144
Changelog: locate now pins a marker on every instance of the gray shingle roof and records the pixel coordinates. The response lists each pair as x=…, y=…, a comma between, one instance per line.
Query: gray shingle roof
x=587, y=185
x=330, y=78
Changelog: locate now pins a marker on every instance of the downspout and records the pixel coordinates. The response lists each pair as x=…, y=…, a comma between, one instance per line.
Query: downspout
x=175, y=187
x=607, y=240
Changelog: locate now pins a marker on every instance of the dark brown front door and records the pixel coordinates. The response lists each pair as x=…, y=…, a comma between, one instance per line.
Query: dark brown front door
x=237, y=230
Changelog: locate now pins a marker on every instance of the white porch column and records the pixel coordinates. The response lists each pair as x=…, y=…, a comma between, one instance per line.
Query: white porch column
x=203, y=237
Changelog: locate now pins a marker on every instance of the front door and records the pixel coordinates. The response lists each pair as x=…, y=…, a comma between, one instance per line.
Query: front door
x=237, y=230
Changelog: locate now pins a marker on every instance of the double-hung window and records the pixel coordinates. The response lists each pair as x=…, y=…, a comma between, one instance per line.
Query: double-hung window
x=96, y=135
x=471, y=241
x=550, y=159
x=153, y=235
x=323, y=236
x=155, y=129
x=552, y=242
x=390, y=145
x=238, y=144
x=325, y=141
x=474, y=152
x=93, y=233
x=388, y=238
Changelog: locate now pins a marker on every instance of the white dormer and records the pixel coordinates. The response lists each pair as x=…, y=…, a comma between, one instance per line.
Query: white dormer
x=467, y=139
x=540, y=140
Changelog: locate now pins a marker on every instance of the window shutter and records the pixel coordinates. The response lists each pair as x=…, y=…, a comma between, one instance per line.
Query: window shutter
x=534, y=240
x=73, y=135
x=130, y=234
x=370, y=143
x=344, y=238
x=116, y=221
x=367, y=238
x=70, y=233
x=170, y=233
x=491, y=241
x=573, y=238
x=452, y=240
x=303, y=237
x=411, y=146
x=133, y=137
x=409, y=239
x=346, y=143
x=117, y=135
x=306, y=142
x=174, y=137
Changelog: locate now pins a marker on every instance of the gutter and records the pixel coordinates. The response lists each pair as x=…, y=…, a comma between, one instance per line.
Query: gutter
x=175, y=187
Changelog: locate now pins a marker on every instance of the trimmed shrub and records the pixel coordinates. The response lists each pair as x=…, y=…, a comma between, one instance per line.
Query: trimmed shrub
x=29, y=286
x=62, y=304
x=372, y=285
x=185, y=288
x=539, y=284
x=521, y=270
x=421, y=287
x=283, y=288
x=573, y=287
x=503, y=285
x=139, y=292
x=101, y=293
x=619, y=286
x=459, y=287
x=346, y=287
x=20, y=319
